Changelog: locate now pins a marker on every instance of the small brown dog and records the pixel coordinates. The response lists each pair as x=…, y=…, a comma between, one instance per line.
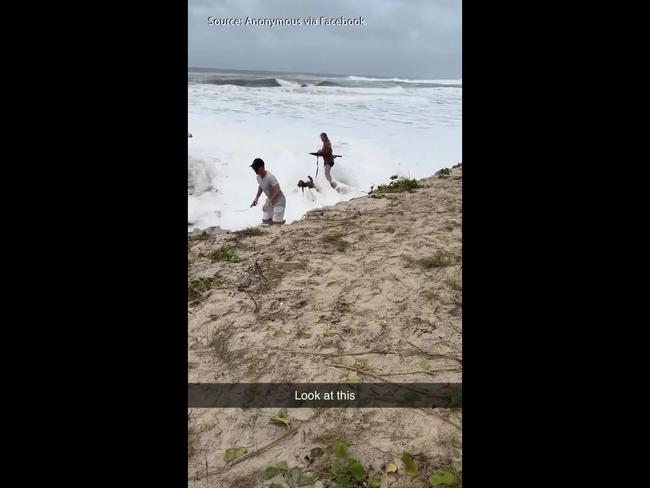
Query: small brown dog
x=306, y=184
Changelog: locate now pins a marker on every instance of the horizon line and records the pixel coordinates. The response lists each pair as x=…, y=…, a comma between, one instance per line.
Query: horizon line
x=310, y=73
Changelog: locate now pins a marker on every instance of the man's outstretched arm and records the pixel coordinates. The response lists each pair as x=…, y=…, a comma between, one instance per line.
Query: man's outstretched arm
x=257, y=197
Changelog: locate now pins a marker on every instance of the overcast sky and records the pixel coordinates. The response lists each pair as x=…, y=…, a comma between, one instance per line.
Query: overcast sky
x=401, y=38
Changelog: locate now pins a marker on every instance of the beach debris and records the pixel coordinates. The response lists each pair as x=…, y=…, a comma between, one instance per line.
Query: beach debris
x=302, y=334
x=316, y=452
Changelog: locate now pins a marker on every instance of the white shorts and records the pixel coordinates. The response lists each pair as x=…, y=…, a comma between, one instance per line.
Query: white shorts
x=276, y=213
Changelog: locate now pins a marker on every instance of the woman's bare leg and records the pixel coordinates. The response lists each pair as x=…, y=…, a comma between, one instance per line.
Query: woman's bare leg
x=327, y=174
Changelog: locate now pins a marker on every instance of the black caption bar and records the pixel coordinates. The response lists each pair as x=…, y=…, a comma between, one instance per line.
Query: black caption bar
x=319, y=395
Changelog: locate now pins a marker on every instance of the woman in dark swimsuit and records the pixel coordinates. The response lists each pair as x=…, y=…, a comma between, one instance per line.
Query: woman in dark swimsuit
x=328, y=157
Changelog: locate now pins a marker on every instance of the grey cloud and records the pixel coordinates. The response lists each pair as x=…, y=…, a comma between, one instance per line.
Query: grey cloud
x=416, y=38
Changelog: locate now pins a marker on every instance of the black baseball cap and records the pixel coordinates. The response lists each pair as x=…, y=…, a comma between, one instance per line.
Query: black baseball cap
x=257, y=163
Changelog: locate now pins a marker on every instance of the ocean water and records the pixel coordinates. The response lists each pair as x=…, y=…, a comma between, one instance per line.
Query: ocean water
x=380, y=127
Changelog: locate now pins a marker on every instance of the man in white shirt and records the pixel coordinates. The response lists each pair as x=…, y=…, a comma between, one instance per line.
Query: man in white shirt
x=275, y=200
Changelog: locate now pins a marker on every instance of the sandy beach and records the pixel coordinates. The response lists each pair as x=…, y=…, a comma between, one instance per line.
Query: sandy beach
x=365, y=290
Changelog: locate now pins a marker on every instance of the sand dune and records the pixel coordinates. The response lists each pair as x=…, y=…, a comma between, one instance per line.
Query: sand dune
x=365, y=289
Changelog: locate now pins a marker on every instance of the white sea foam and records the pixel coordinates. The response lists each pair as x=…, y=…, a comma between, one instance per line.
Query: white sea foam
x=287, y=83
x=406, y=80
x=378, y=131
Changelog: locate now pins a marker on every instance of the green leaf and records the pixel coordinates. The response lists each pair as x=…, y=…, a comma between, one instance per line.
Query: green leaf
x=270, y=472
x=316, y=452
x=282, y=466
x=340, y=449
x=353, y=383
x=282, y=418
x=410, y=467
x=300, y=478
x=234, y=453
x=275, y=485
x=376, y=483
x=341, y=478
x=425, y=366
x=442, y=478
x=356, y=469
x=295, y=473
x=280, y=421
